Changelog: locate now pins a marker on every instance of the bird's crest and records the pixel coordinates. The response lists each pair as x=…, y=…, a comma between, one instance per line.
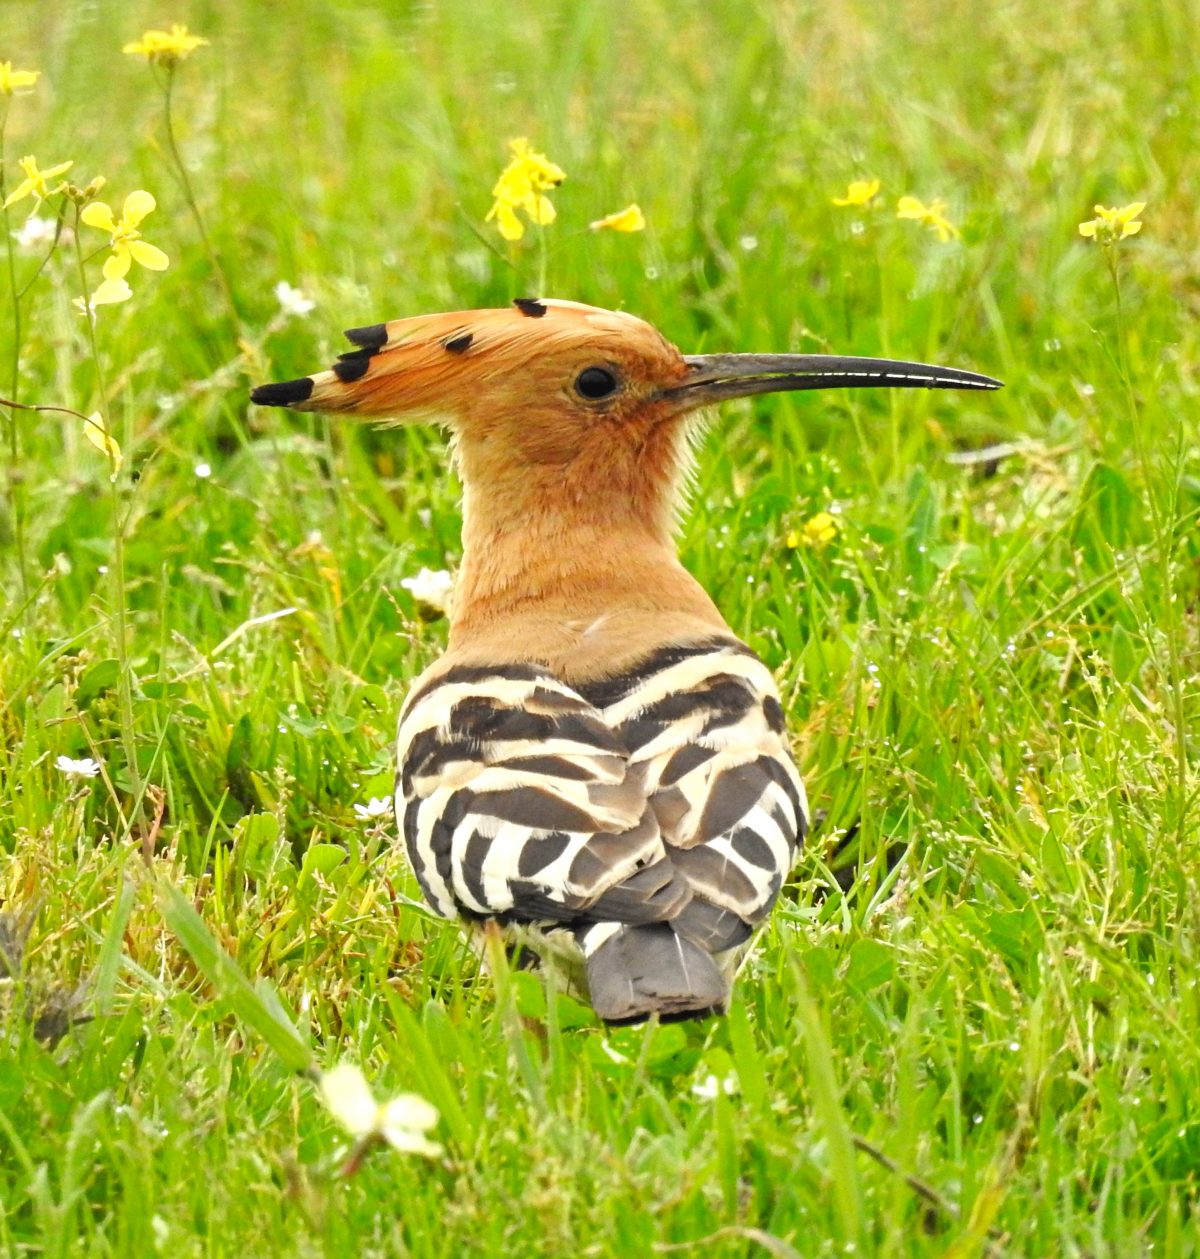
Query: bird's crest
x=432, y=364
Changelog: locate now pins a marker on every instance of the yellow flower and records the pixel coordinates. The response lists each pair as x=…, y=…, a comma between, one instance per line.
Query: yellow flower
x=1110, y=226
x=34, y=184
x=860, y=192
x=96, y=431
x=127, y=244
x=520, y=187
x=12, y=80
x=165, y=48
x=932, y=215
x=630, y=219
x=818, y=532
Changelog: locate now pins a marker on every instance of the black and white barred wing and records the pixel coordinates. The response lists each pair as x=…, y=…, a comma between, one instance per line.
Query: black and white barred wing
x=518, y=802
x=704, y=727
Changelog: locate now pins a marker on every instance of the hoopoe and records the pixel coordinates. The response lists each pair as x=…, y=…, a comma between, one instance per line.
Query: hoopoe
x=597, y=763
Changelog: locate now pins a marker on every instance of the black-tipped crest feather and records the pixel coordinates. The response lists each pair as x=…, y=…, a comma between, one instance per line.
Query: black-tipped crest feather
x=371, y=336
x=284, y=393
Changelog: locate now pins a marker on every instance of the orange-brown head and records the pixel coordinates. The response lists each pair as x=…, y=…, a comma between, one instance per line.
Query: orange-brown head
x=569, y=425
x=534, y=394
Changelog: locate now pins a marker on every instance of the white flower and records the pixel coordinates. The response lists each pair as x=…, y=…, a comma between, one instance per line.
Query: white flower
x=34, y=232
x=292, y=301
x=86, y=768
x=711, y=1087
x=377, y=806
x=431, y=588
x=402, y=1122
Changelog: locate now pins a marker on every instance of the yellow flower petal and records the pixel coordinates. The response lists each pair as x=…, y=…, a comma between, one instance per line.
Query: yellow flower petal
x=100, y=215
x=820, y=531
x=19, y=193
x=96, y=432
x=116, y=265
x=932, y=215
x=137, y=205
x=1113, y=225
x=165, y=47
x=11, y=80
x=35, y=180
x=510, y=227
x=149, y=256
x=630, y=219
x=111, y=292
x=943, y=227
x=540, y=210
x=860, y=192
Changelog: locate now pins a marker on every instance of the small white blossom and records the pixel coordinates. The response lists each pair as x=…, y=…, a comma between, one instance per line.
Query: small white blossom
x=34, y=232
x=292, y=301
x=377, y=806
x=431, y=588
x=401, y=1122
x=711, y=1087
x=203, y=471
x=85, y=768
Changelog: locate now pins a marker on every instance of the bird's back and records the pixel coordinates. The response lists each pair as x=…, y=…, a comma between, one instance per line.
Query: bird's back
x=642, y=819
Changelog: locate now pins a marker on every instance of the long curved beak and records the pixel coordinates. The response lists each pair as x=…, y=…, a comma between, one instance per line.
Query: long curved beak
x=716, y=377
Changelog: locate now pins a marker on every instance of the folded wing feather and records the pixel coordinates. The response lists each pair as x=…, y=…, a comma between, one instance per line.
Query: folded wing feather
x=664, y=794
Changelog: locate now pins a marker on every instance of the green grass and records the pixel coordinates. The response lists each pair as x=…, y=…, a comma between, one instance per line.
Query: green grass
x=993, y=667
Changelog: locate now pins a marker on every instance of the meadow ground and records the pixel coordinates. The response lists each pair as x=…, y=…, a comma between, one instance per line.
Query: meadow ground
x=989, y=660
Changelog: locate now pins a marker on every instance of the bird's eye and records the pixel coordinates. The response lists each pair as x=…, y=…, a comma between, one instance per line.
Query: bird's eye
x=596, y=382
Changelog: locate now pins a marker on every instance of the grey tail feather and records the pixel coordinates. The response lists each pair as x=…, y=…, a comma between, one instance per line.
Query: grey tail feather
x=646, y=969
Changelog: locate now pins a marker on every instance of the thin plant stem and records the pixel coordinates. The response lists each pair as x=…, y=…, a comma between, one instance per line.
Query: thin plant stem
x=185, y=186
x=16, y=492
x=121, y=637
x=41, y=266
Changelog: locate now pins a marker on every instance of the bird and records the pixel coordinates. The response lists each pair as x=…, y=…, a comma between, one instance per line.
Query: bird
x=597, y=769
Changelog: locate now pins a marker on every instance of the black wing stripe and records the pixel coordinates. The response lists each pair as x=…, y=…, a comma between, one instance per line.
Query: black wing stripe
x=732, y=795
x=541, y=851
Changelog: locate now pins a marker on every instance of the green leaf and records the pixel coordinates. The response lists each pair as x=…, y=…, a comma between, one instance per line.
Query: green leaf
x=257, y=847
x=238, y=755
x=828, y=1109
x=95, y=680
x=257, y=1006
x=871, y=965
x=109, y=961
x=322, y=859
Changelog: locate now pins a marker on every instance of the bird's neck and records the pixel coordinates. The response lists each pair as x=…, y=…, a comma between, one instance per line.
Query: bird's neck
x=574, y=565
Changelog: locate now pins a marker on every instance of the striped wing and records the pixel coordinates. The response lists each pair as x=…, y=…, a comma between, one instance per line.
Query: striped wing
x=664, y=794
x=517, y=802
x=704, y=728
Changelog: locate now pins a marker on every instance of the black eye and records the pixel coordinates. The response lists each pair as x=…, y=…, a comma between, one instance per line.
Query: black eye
x=596, y=382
